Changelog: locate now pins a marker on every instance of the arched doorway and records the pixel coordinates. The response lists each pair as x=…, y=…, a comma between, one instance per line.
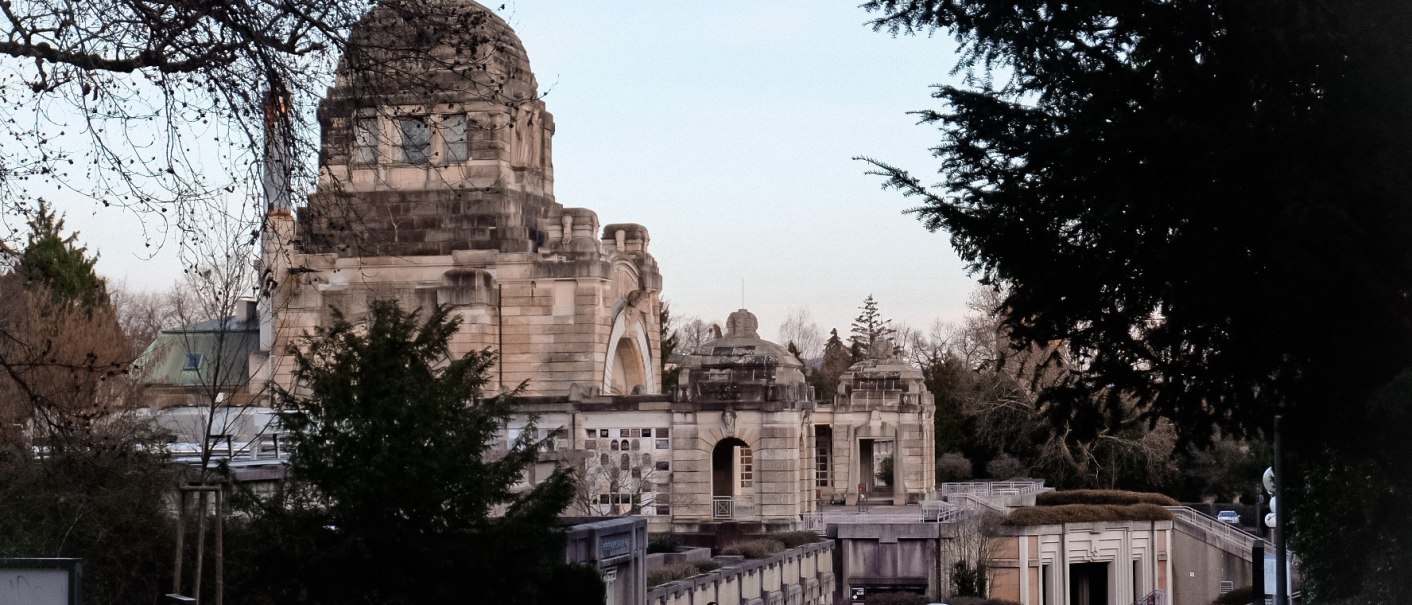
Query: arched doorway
x=629, y=362
x=627, y=367
x=732, y=475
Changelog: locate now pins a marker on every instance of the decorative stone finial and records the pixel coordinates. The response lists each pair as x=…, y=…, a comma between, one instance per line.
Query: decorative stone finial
x=742, y=324
x=882, y=349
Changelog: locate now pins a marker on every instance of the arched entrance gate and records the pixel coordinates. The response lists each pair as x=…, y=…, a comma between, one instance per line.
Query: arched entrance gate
x=732, y=479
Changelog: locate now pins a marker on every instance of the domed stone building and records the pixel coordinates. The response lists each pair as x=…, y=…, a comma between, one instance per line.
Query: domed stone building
x=436, y=188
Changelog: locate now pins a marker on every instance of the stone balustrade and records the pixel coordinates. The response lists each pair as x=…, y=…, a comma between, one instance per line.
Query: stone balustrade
x=799, y=576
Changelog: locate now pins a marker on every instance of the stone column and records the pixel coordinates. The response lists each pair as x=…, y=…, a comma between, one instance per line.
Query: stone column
x=899, y=475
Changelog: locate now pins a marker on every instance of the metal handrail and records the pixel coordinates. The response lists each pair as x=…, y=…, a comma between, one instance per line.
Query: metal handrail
x=1156, y=597
x=973, y=501
x=991, y=488
x=1237, y=540
x=817, y=521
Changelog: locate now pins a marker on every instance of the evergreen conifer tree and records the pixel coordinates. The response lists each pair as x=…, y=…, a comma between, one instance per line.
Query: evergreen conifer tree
x=1207, y=201
x=837, y=359
x=59, y=263
x=404, y=490
x=670, y=340
x=868, y=328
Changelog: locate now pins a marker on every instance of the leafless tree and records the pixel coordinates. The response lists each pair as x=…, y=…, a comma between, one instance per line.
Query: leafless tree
x=62, y=369
x=926, y=348
x=692, y=334
x=151, y=105
x=800, y=329
x=626, y=485
x=966, y=557
x=144, y=315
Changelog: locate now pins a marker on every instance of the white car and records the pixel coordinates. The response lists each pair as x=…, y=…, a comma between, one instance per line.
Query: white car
x=1229, y=517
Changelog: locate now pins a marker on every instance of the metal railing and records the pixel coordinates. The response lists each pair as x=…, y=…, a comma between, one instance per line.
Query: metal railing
x=929, y=512
x=977, y=502
x=722, y=507
x=991, y=488
x=1233, y=539
x=939, y=512
x=1156, y=597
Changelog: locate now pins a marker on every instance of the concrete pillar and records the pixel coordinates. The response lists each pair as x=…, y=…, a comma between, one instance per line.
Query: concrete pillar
x=854, y=462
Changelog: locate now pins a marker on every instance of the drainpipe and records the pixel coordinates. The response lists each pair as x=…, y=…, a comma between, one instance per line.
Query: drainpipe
x=500, y=332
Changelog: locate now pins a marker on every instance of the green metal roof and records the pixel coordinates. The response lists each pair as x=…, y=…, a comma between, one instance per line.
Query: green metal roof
x=208, y=353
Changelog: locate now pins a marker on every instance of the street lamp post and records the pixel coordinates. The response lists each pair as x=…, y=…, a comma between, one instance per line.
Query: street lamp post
x=1281, y=503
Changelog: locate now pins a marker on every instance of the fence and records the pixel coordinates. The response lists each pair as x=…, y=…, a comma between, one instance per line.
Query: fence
x=1232, y=539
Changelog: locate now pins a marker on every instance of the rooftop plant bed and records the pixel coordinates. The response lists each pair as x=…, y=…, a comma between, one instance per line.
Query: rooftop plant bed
x=1080, y=513
x=1101, y=496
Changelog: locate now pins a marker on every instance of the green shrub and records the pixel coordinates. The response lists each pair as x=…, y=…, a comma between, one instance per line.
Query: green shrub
x=885, y=471
x=969, y=579
x=1006, y=466
x=896, y=598
x=669, y=573
x=678, y=571
x=754, y=549
x=575, y=584
x=952, y=466
x=791, y=539
x=1102, y=496
x=661, y=543
x=705, y=566
x=1079, y=513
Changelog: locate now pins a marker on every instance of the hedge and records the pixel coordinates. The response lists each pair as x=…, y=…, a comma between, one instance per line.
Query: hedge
x=1079, y=513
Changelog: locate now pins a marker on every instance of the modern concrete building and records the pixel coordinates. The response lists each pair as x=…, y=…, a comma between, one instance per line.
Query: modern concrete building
x=617, y=548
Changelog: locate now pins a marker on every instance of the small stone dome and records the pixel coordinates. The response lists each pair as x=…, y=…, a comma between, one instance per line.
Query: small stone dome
x=442, y=47
x=741, y=343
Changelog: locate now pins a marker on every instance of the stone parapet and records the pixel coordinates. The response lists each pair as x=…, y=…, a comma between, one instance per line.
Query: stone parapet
x=799, y=575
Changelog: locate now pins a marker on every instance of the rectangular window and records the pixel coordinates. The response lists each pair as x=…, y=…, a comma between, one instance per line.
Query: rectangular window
x=453, y=136
x=664, y=444
x=193, y=362
x=416, y=140
x=747, y=468
x=823, y=453
x=365, y=141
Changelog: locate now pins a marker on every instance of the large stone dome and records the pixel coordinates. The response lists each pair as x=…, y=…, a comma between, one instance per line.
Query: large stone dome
x=444, y=48
x=434, y=138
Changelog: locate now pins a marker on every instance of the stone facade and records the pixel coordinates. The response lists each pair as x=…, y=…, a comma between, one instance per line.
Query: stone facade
x=437, y=190
x=1083, y=563
x=741, y=439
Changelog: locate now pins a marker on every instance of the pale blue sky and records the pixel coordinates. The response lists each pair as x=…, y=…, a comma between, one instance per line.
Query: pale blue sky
x=726, y=128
